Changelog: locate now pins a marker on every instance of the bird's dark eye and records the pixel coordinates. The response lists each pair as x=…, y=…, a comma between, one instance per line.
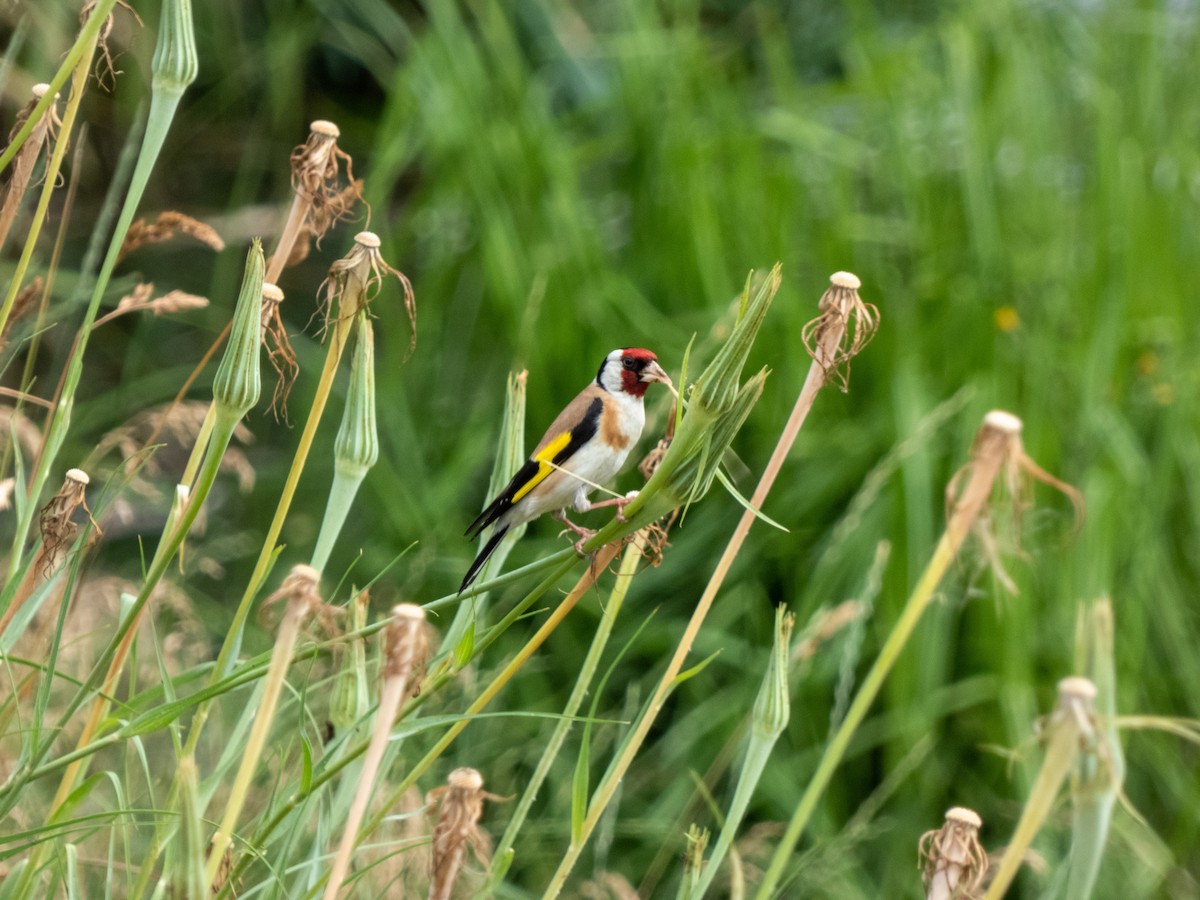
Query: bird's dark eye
x=628, y=363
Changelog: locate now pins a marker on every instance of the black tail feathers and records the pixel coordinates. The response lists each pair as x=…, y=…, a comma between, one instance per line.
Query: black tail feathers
x=488, y=549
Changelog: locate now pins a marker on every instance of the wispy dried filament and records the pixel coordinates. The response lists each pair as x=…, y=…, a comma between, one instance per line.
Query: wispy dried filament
x=55, y=522
x=25, y=160
x=321, y=199
x=279, y=350
x=953, y=862
x=355, y=279
x=844, y=327
x=460, y=806
x=999, y=455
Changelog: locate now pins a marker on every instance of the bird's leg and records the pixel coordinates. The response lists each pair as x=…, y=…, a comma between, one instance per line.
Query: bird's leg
x=619, y=502
x=585, y=534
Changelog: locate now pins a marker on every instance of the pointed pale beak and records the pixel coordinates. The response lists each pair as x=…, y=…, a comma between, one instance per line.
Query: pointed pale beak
x=655, y=372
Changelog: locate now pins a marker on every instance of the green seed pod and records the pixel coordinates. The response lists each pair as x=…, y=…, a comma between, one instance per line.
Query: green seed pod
x=175, y=63
x=357, y=446
x=237, y=385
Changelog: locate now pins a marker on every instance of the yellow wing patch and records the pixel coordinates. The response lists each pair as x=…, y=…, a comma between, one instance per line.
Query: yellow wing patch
x=542, y=458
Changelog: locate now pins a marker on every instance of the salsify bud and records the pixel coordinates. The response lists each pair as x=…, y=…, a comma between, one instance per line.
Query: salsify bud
x=357, y=446
x=772, y=706
x=350, y=658
x=237, y=385
x=175, y=62
x=457, y=827
x=953, y=863
x=717, y=386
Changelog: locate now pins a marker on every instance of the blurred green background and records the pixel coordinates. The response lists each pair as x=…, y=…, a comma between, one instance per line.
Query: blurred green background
x=1016, y=184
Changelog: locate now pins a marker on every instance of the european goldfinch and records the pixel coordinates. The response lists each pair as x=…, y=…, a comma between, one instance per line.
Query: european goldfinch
x=584, y=447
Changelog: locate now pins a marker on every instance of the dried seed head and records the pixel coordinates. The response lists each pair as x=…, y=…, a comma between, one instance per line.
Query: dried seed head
x=355, y=279
x=952, y=860
x=142, y=299
x=461, y=805
x=844, y=327
x=316, y=178
x=279, y=349
x=55, y=521
x=998, y=455
x=407, y=645
x=300, y=592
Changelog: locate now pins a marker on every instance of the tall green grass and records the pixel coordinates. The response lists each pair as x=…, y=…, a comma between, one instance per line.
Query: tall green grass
x=1015, y=183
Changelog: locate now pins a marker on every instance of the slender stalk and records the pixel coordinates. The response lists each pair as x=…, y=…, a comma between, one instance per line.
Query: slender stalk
x=770, y=718
x=997, y=437
x=1071, y=723
x=816, y=378
x=406, y=643
x=174, y=68
x=300, y=591
x=587, y=671
x=603, y=558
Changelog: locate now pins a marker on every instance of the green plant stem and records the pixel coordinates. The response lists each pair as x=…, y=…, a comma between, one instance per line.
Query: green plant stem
x=337, y=343
x=604, y=556
x=285, y=643
x=1060, y=755
x=163, y=103
x=113, y=659
x=587, y=671
x=85, y=43
x=975, y=494
x=608, y=786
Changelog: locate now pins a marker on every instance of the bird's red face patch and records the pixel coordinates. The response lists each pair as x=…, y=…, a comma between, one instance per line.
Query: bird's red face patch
x=633, y=362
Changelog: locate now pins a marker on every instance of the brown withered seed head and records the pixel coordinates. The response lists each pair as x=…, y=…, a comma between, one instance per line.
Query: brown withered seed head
x=407, y=646
x=367, y=267
x=953, y=862
x=300, y=591
x=316, y=178
x=55, y=520
x=844, y=327
x=461, y=806
x=279, y=350
x=998, y=456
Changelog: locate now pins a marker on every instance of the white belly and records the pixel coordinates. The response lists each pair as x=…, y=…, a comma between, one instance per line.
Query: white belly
x=592, y=466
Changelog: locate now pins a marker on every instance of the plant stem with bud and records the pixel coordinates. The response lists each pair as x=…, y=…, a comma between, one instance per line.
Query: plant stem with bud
x=998, y=438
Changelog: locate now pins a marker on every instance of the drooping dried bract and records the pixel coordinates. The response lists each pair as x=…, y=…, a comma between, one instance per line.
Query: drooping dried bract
x=357, y=278
x=21, y=168
x=300, y=594
x=952, y=860
x=460, y=806
x=106, y=70
x=55, y=520
x=279, y=350
x=999, y=456
x=406, y=644
x=316, y=177
x=844, y=327
x=168, y=225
